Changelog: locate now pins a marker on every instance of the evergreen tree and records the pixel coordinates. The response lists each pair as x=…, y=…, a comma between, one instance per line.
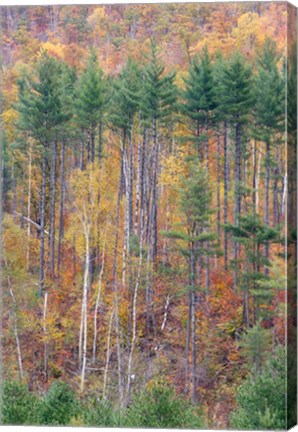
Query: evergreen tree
x=41, y=114
x=19, y=406
x=253, y=235
x=90, y=104
x=261, y=399
x=236, y=100
x=157, y=107
x=195, y=206
x=200, y=102
x=199, y=107
x=59, y=405
x=269, y=112
x=159, y=407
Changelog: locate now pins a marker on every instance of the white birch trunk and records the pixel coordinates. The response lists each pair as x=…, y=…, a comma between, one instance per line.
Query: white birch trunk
x=107, y=355
x=98, y=297
x=15, y=325
x=84, y=317
x=134, y=317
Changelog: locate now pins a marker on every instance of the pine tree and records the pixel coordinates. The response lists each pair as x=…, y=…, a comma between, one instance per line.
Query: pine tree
x=157, y=106
x=199, y=102
x=194, y=236
x=253, y=235
x=236, y=100
x=199, y=107
x=41, y=113
x=90, y=104
x=269, y=112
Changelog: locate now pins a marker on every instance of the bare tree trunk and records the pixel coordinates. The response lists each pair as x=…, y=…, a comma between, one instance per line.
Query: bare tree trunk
x=218, y=185
x=23, y=196
x=97, y=302
x=15, y=324
x=187, y=346
x=42, y=224
x=226, y=168
x=46, y=354
x=237, y=197
x=107, y=355
x=84, y=316
x=29, y=208
x=115, y=287
x=100, y=140
x=193, y=323
x=61, y=206
x=138, y=187
x=266, y=216
x=258, y=182
x=52, y=207
x=92, y=144
x=254, y=178
x=134, y=317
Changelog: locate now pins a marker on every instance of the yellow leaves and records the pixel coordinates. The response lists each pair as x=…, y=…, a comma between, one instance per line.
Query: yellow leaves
x=173, y=167
x=97, y=16
x=248, y=31
x=54, y=49
x=9, y=118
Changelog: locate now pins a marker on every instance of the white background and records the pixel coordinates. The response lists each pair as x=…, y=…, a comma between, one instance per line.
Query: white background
x=48, y=2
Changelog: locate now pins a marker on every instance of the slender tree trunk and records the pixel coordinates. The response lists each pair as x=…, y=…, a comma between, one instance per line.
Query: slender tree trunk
x=254, y=178
x=15, y=323
x=207, y=229
x=154, y=192
x=61, y=206
x=98, y=297
x=258, y=182
x=23, y=196
x=134, y=317
x=42, y=224
x=52, y=207
x=187, y=346
x=84, y=317
x=107, y=354
x=115, y=287
x=29, y=208
x=92, y=144
x=100, y=141
x=193, y=323
x=237, y=197
x=218, y=185
x=266, y=216
x=45, y=333
x=226, y=203
x=14, y=189
x=138, y=187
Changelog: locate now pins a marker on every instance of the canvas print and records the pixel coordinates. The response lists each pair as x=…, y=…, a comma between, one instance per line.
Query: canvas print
x=148, y=215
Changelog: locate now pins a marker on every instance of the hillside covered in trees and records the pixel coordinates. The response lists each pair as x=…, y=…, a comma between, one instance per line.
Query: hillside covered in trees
x=145, y=184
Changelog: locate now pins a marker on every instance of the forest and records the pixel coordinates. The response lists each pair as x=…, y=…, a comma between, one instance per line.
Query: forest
x=148, y=214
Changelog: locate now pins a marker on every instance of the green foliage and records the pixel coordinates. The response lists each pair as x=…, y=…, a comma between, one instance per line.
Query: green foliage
x=99, y=413
x=255, y=345
x=40, y=104
x=91, y=94
x=261, y=397
x=59, y=405
x=236, y=96
x=20, y=407
x=160, y=407
x=159, y=90
x=252, y=233
x=125, y=97
x=270, y=93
